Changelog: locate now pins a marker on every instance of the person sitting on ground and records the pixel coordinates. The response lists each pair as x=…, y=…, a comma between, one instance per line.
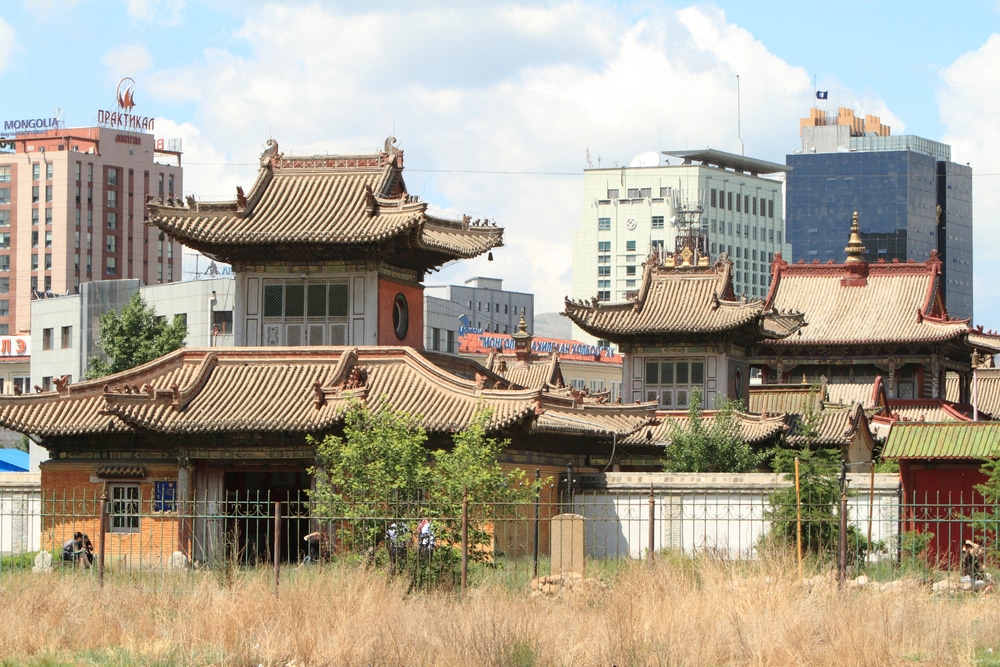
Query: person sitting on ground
x=79, y=550
x=972, y=561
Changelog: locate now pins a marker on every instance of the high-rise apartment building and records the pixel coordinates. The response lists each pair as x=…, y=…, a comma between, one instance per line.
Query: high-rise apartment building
x=631, y=211
x=71, y=211
x=910, y=197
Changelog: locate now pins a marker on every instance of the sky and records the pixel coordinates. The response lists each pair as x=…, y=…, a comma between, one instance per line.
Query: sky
x=499, y=106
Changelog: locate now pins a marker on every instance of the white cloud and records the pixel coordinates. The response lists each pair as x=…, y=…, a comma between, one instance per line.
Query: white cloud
x=969, y=102
x=163, y=12
x=8, y=42
x=524, y=90
x=127, y=60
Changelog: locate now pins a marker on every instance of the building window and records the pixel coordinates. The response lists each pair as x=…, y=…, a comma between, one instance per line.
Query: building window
x=47, y=339
x=779, y=237
x=604, y=246
x=4, y=218
x=112, y=220
x=755, y=206
x=124, y=508
x=34, y=194
x=111, y=266
x=113, y=177
x=78, y=166
x=112, y=243
x=729, y=201
x=48, y=193
x=604, y=271
x=48, y=261
x=604, y=259
x=49, y=168
x=5, y=241
x=657, y=222
x=34, y=262
x=450, y=341
x=4, y=174
x=738, y=209
x=4, y=307
x=770, y=208
x=48, y=239
x=48, y=216
x=112, y=199
x=4, y=285
x=4, y=262
x=223, y=319
x=36, y=171
x=67, y=337
x=604, y=224
x=436, y=339
x=5, y=195
x=671, y=381
x=613, y=193
x=629, y=270
x=646, y=192
x=603, y=284
x=604, y=295
x=630, y=246
x=633, y=193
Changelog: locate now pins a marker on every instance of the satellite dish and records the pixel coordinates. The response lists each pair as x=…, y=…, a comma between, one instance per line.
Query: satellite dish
x=646, y=159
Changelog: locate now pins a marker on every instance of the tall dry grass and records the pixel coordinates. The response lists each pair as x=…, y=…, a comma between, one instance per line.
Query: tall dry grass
x=675, y=612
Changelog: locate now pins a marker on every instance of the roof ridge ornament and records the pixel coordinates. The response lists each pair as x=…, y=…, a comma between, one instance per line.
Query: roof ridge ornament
x=855, y=247
x=270, y=156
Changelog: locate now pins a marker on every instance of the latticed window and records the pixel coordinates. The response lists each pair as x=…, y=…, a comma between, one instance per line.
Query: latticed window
x=124, y=508
x=671, y=381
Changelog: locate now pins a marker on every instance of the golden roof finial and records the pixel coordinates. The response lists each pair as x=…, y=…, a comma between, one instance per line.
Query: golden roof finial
x=855, y=248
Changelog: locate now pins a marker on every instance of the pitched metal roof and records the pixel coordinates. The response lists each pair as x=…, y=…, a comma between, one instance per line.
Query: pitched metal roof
x=952, y=440
x=680, y=301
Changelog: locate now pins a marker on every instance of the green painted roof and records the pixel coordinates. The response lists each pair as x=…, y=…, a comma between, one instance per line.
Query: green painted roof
x=946, y=440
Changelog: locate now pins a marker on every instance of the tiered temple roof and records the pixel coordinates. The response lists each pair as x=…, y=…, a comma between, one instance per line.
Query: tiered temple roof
x=301, y=389
x=683, y=304
x=856, y=302
x=318, y=208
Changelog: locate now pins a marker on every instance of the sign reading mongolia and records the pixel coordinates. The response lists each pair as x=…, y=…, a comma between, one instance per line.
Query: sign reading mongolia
x=15, y=346
x=122, y=118
x=569, y=350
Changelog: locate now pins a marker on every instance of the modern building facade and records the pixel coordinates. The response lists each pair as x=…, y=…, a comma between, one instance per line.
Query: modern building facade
x=630, y=212
x=911, y=197
x=71, y=211
x=66, y=328
x=481, y=305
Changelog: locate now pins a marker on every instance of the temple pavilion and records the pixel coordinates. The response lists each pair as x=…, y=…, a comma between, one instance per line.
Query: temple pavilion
x=329, y=254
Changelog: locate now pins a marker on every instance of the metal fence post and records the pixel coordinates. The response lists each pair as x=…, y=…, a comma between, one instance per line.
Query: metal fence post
x=842, y=550
x=102, y=528
x=538, y=517
x=465, y=541
x=277, y=545
x=652, y=527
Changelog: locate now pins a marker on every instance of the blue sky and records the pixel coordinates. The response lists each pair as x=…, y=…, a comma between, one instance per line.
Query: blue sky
x=498, y=106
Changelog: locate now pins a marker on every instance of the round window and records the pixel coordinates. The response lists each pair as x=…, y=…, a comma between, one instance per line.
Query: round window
x=400, y=316
x=738, y=381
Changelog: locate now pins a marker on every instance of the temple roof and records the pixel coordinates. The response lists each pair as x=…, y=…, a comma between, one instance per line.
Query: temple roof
x=987, y=389
x=756, y=429
x=835, y=427
x=325, y=208
x=301, y=389
x=858, y=302
x=678, y=303
x=954, y=440
x=536, y=371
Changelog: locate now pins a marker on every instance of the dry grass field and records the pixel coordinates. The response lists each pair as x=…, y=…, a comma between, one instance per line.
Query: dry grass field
x=674, y=612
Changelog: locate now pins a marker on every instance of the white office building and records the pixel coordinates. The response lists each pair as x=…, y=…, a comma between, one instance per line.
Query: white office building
x=631, y=211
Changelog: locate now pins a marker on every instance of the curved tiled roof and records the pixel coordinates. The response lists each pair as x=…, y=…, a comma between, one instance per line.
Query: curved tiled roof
x=321, y=203
x=863, y=303
x=756, y=429
x=621, y=421
x=678, y=300
x=783, y=398
x=846, y=393
x=533, y=374
x=301, y=389
x=834, y=427
x=987, y=389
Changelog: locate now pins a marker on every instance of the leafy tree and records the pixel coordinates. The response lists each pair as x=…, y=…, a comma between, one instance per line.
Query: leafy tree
x=22, y=444
x=710, y=445
x=373, y=474
x=133, y=337
x=380, y=477
x=986, y=522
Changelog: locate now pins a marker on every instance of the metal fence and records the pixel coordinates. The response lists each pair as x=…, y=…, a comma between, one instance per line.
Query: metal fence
x=252, y=530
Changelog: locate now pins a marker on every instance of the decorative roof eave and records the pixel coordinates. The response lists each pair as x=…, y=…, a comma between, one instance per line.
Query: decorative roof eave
x=952, y=334
x=756, y=429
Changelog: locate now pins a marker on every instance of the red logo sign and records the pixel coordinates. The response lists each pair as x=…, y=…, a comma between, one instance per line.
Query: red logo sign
x=126, y=94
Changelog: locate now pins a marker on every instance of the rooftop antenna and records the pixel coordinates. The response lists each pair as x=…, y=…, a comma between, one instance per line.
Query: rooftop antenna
x=739, y=132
